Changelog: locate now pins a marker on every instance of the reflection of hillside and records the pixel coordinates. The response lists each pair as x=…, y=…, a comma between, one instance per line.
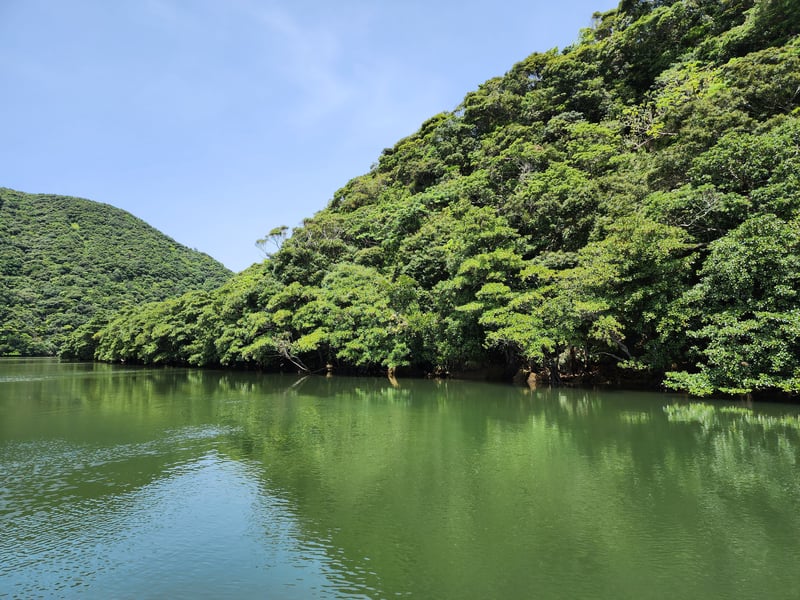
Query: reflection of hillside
x=499, y=479
x=117, y=466
x=438, y=489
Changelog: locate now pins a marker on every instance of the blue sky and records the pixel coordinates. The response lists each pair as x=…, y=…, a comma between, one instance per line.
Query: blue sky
x=217, y=120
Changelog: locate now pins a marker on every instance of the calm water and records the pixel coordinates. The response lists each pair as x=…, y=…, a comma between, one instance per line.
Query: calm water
x=130, y=483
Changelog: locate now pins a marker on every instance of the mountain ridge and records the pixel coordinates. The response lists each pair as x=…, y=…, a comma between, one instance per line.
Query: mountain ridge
x=66, y=261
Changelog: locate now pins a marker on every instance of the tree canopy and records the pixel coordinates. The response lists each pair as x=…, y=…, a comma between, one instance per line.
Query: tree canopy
x=625, y=207
x=67, y=264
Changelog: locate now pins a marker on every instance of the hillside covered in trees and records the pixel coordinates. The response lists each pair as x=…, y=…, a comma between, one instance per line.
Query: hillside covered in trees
x=66, y=264
x=626, y=207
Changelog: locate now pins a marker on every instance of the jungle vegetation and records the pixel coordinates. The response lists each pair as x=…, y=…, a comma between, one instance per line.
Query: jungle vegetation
x=67, y=264
x=627, y=207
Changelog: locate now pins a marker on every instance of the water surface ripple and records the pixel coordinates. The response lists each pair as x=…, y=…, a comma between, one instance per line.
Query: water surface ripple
x=136, y=483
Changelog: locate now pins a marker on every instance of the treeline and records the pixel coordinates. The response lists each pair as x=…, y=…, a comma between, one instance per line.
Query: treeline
x=627, y=207
x=67, y=262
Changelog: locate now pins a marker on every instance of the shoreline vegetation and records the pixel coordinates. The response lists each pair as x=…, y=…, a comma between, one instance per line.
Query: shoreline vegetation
x=624, y=209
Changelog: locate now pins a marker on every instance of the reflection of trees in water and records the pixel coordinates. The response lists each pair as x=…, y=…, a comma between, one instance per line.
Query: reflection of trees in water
x=460, y=469
x=744, y=446
x=712, y=417
x=450, y=487
x=751, y=451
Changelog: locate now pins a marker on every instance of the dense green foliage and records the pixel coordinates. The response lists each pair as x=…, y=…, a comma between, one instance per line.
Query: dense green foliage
x=66, y=264
x=627, y=207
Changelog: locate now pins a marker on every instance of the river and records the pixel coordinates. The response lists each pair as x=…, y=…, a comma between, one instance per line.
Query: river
x=122, y=482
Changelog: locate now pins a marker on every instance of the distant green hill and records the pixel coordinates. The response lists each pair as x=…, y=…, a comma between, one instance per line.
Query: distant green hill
x=625, y=208
x=65, y=261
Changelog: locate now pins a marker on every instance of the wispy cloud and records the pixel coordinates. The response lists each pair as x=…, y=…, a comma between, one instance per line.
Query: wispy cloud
x=308, y=56
x=338, y=72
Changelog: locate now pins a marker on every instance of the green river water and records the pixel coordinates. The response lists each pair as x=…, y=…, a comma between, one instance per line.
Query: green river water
x=120, y=482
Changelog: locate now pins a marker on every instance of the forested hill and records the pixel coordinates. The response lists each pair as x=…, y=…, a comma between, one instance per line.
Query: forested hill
x=65, y=261
x=626, y=207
